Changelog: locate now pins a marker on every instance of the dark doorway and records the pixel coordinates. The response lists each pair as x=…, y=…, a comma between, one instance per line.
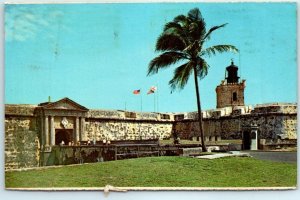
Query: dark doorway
x=246, y=140
x=63, y=135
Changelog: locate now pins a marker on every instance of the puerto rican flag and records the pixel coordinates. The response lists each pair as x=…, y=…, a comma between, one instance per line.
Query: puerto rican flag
x=152, y=90
x=137, y=91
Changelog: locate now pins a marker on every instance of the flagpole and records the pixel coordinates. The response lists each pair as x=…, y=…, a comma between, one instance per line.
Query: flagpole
x=139, y=124
x=141, y=115
x=151, y=91
x=154, y=100
x=157, y=103
x=141, y=103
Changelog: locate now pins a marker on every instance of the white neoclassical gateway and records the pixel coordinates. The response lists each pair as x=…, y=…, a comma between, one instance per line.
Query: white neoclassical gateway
x=61, y=121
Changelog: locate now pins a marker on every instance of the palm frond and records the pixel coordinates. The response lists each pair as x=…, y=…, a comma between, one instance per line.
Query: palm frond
x=193, y=49
x=182, y=20
x=202, y=68
x=212, y=29
x=181, y=76
x=195, y=14
x=176, y=29
x=197, y=30
x=172, y=25
x=218, y=49
x=197, y=24
x=164, y=60
x=170, y=42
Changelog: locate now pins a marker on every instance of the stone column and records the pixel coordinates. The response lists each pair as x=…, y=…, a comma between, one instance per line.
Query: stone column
x=52, y=131
x=46, y=126
x=82, y=128
x=42, y=131
x=77, y=130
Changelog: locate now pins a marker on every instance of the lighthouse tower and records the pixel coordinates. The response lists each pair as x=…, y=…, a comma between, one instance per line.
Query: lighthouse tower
x=231, y=91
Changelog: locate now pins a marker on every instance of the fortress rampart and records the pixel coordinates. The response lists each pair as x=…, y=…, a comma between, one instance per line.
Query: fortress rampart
x=275, y=121
x=28, y=135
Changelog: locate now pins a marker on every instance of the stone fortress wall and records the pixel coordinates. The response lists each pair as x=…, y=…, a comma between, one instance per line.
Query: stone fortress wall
x=23, y=127
x=125, y=125
x=24, y=135
x=275, y=121
x=22, y=146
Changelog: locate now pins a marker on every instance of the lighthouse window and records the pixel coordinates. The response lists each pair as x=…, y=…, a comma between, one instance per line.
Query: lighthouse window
x=234, y=96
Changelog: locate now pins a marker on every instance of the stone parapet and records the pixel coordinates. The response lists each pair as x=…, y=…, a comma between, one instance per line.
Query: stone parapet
x=106, y=114
x=129, y=115
x=275, y=108
x=20, y=109
x=243, y=111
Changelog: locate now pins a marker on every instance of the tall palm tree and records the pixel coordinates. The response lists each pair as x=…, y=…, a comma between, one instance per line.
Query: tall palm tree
x=182, y=40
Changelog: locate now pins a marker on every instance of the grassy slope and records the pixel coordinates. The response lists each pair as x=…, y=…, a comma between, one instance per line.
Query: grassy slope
x=161, y=171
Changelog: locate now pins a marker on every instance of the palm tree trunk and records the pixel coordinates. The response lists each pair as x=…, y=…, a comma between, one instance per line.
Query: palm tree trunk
x=199, y=110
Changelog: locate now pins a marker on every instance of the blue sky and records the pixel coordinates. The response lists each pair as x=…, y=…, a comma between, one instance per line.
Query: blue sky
x=97, y=54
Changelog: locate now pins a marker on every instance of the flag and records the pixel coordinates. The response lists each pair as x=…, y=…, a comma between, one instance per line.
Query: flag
x=152, y=90
x=136, y=91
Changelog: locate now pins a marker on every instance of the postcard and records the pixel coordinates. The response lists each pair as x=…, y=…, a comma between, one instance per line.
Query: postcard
x=150, y=96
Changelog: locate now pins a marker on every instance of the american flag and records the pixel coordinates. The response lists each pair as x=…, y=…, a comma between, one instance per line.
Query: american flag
x=136, y=91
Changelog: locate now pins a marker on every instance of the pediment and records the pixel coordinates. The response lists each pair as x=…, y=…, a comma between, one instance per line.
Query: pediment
x=65, y=104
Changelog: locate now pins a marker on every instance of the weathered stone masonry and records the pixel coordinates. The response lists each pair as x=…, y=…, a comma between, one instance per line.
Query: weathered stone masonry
x=31, y=130
x=275, y=121
x=22, y=146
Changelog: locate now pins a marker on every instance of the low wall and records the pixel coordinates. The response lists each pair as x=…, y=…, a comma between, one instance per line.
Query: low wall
x=273, y=144
x=65, y=155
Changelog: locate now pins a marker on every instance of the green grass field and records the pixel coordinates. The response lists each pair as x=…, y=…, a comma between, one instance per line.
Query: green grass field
x=161, y=172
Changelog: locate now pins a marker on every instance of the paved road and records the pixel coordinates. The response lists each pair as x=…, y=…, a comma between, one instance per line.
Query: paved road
x=290, y=157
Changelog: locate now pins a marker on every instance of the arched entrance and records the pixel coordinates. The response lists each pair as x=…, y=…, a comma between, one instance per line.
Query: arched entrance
x=63, y=135
x=250, y=137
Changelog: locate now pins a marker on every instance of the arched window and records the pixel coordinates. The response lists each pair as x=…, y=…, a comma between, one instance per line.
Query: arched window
x=234, y=96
